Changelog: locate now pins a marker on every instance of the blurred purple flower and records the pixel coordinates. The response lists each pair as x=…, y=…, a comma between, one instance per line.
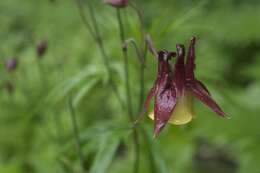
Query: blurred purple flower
x=175, y=89
x=11, y=64
x=42, y=48
x=117, y=3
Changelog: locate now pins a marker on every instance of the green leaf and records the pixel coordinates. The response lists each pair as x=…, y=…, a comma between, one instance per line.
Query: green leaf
x=59, y=92
x=84, y=91
x=105, y=154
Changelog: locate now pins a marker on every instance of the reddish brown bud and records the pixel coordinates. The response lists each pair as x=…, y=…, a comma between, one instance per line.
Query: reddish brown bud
x=9, y=87
x=117, y=3
x=11, y=64
x=41, y=48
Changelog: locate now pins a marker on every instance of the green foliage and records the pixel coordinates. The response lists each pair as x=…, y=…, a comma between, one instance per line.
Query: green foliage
x=36, y=133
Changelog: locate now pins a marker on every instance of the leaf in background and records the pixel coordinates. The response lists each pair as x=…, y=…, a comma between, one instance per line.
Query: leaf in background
x=105, y=154
x=59, y=92
x=84, y=91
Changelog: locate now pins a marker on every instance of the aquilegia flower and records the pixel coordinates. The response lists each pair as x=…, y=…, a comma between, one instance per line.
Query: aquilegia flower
x=117, y=3
x=175, y=88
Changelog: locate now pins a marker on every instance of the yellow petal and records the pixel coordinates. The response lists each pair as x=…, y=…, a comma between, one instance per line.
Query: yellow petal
x=183, y=112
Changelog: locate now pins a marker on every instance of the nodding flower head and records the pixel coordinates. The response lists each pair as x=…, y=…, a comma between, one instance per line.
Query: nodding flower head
x=42, y=48
x=175, y=88
x=117, y=3
x=11, y=64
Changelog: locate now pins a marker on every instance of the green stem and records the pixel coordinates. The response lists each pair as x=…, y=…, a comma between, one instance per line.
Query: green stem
x=144, y=47
x=143, y=55
x=153, y=168
x=128, y=93
x=97, y=37
x=76, y=133
x=126, y=65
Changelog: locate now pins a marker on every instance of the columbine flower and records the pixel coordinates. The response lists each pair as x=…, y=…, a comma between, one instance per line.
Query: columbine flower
x=175, y=89
x=41, y=48
x=117, y=3
x=11, y=64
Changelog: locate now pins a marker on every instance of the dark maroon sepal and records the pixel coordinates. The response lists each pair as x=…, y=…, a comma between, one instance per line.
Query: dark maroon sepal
x=165, y=101
x=163, y=80
x=203, y=86
x=179, y=70
x=199, y=92
x=190, y=63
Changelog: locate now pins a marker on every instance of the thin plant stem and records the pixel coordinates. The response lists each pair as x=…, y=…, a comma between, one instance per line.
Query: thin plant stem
x=128, y=93
x=153, y=168
x=84, y=19
x=126, y=64
x=142, y=84
x=143, y=55
x=133, y=42
x=76, y=132
x=97, y=37
x=42, y=75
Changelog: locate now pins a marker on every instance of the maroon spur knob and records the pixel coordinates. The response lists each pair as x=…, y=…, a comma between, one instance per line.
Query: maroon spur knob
x=117, y=3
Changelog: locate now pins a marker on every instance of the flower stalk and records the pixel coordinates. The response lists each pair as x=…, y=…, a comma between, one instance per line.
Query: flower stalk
x=76, y=133
x=95, y=34
x=128, y=93
x=126, y=64
x=141, y=52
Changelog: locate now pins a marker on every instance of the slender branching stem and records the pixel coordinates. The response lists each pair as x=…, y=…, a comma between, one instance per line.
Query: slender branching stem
x=94, y=32
x=76, y=133
x=128, y=93
x=126, y=65
x=143, y=55
x=153, y=168
x=144, y=48
x=84, y=19
x=138, y=52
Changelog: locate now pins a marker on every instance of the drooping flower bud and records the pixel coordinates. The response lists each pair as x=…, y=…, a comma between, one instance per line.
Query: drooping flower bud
x=117, y=3
x=9, y=87
x=11, y=64
x=41, y=48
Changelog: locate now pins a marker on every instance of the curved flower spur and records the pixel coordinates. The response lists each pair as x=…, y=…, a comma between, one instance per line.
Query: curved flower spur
x=175, y=88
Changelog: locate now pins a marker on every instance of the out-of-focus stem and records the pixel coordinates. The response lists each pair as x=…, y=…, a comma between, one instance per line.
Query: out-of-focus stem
x=84, y=19
x=153, y=168
x=94, y=32
x=76, y=133
x=143, y=55
x=128, y=93
x=143, y=51
x=133, y=42
x=126, y=64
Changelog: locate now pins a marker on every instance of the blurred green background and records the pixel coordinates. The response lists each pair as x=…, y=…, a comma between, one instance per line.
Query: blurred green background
x=36, y=133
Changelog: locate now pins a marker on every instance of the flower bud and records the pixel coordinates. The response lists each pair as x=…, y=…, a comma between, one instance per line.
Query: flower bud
x=11, y=64
x=117, y=3
x=9, y=87
x=41, y=48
